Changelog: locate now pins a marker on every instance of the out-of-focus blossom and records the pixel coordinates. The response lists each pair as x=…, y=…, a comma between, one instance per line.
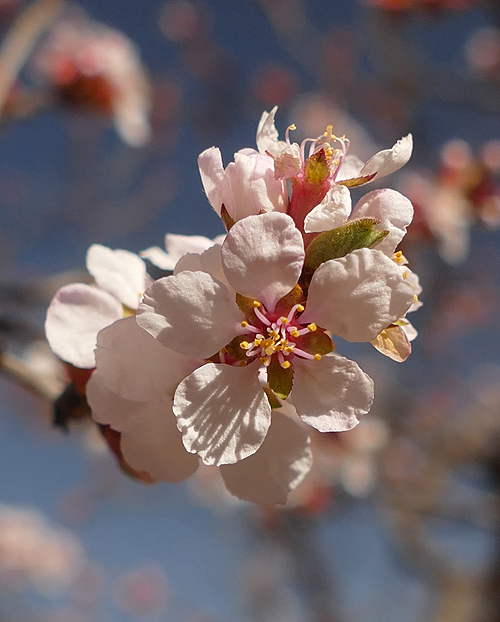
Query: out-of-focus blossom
x=34, y=552
x=143, y=592
x=98, y=68
x=464, y=190
x=482, y=52
x=418, y=5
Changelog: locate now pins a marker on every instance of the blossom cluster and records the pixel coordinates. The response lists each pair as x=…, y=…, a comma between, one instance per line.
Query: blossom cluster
x=231, y=359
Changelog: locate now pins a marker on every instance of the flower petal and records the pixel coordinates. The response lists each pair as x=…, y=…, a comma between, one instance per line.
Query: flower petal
x=135, y=365
x=392, y=209
x=109, y=408
x=222, y=412
x=389, y=160
x=350, y=168
x=263, y=257
x=331, y=213
x=75, y=316
x=191, y=313
x=331, y=394
x=393, y=343
x=118, y=272
x=250, y=186
x=155, y=446
x=212, y=175
x=357, y=296
x=276, y=468
x=267, y=134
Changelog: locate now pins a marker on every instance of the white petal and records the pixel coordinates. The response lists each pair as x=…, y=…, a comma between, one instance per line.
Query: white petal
x=389, y=160
x=392, y=209
x=191, y=313
x=332, y=212
x=393, y=343
x=263, y=257
x=155, y=446
x=212, y=175
x=75, y=316
x=158, y=257
x=357, y=296
x=119, y=272
x=350, y=168
x=135, y=365
x=109, y=408
x=410, y=330
x=222, y=412
x=331, y=394
x=177, y=246
x=276, y=468
x=267, y=134
x=250, y=187
x=210, y=262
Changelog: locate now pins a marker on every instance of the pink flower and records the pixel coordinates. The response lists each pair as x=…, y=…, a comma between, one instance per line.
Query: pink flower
x=222, y=409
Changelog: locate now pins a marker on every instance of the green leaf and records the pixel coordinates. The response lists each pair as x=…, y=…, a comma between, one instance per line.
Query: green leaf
x=339, y=242
x=280, y=380
x=226, y=218
x=273, y=400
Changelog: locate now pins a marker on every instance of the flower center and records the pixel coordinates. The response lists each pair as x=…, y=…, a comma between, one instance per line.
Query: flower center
x=284, y=337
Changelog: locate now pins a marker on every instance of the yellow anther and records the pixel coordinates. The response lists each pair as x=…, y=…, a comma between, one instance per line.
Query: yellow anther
x=256, y=303
x=284, y=320
x=398, y=256
x=405, y=275
x=244, y=345
x=264, y=361
x=241, y=363
x=317, y=357
x=294, y=332
x=300, y=308
x=257, y=342
x=223, y=350
x=415, y=298
x=285, y=364
x=312, y=327
x=288, y=349
x=292, y=127
x=244, y=324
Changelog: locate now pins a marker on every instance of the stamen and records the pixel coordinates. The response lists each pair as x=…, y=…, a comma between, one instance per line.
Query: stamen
x=244, y=345
x=317, y=357
x=312, y=327
x=264, y=361
x=256, y=303
x=304, y=355
x=294, y=332
x=295, y=309
x=244, y=324
x=287, y=133
x=261, y=316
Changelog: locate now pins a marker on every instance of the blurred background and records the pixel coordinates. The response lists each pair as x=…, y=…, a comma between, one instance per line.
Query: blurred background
x=399, y=519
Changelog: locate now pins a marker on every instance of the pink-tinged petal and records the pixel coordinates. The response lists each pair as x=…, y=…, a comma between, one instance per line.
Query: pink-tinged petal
x=393, y=343
x=350, y=168
x=410, y=331
x=210, y=262
x=177, y=247
x=250, y=187
x=276, y=468
x=222, y=412
x=263, y=257
x=267, y=134
x=155, y=446
x=109, y=408
x=119, y=272
x=135, y=365
x=191, y=313
x=331, y=394
x=392, y=209
x=357, y=296
x=389, y=160
x=332, y=212
x=212, y=175
x=75, y=316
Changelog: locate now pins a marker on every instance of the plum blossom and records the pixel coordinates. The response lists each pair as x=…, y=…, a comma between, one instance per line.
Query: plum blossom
x=132, y=390
x=97, y=67
x=176, y=246
x=79, y=311
x=222, y=409
x=246, y=186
